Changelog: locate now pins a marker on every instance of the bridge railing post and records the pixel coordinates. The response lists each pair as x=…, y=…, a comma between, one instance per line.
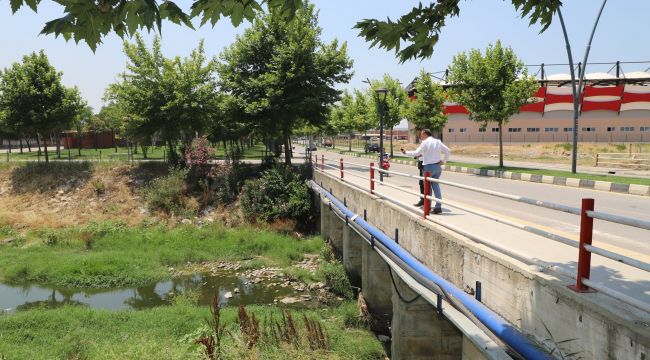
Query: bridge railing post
x=322, y=163
x=372, y=178
x=427, y=191
x=341, y=168
x=584, y=255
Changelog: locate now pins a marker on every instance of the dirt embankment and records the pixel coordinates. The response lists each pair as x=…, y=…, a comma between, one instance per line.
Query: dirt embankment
x=57, y=195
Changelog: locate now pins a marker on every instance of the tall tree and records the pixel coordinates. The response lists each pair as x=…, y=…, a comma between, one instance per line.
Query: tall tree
x=282, y=74
x=492, y=86
x=34, y=101
x=394, y=105
x=426, y=111
x=168, y=97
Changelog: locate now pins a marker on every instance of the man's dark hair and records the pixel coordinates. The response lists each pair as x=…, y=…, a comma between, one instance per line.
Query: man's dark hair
x=427, y=131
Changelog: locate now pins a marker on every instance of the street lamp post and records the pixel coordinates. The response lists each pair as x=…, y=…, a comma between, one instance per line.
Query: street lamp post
x=381, y=91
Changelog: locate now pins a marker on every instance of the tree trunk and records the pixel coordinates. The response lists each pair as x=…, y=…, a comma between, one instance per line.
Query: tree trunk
x=38, y=143
x=47, y=157
x=58, y=146
x=500, y=144
x=29, y=146
x=350, y=142
x=79, y=142
x=391, y=141
x=21, y=145
x=144, y=151
x=287, y=150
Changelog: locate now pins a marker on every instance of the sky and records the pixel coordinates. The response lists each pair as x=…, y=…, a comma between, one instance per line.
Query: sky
x=622, y=35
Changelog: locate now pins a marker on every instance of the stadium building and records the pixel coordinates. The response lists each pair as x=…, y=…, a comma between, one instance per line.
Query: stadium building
x=614, y=108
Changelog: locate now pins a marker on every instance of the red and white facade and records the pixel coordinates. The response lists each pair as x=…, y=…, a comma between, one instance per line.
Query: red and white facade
x=613, y=109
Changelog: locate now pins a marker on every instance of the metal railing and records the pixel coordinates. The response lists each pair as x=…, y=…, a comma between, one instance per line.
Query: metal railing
x=627, y=160
x=586, y=213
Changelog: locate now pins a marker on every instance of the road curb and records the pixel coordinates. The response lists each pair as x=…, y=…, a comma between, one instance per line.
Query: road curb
x=632, y=189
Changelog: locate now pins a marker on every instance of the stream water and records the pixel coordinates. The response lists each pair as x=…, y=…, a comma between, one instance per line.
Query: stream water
x=26, y=296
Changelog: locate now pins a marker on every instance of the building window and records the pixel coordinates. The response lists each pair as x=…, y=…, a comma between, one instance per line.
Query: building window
x=551, y=129
x=481, y=129
x=514, y=130
x=495, y=129
x=463, y=130
x=627, y=128
x=645, y=128
x=532, y=130
x=611, y=129
x=452, y=130
x=568, y=129
x=588, y=129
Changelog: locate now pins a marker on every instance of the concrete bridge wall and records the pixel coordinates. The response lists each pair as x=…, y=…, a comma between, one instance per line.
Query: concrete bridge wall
x=594, y=326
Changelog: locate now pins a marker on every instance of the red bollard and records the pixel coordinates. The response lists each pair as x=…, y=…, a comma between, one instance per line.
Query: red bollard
x=584, y=256
x=372, y=178
x=427, y=191
x=322, y=163
x=341, y=168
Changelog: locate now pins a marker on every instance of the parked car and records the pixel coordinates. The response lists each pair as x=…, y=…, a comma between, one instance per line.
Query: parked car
x=311, y=147
x=327, y=142
x=371, y=147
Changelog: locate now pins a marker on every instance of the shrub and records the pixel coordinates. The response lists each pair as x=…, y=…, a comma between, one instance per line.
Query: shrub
x=98, y=186
x=620, y=147
x=50, y=238
x=565, y=146
x=226, y=181
x=280, y=193
x=168, y=193
x=336, y=278
x=197, y=156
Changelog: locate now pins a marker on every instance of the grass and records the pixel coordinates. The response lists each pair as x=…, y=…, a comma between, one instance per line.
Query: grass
x=121, y=154
x=123, y=256
x=169, y=332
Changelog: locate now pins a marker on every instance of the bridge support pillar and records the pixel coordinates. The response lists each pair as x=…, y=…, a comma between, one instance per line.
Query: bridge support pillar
x=325, y=220
x=352, y=243
x=376, y=286
x=418, y=332
x=336, y=232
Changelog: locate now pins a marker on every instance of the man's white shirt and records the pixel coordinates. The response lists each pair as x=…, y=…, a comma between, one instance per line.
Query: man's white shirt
x=432, y=151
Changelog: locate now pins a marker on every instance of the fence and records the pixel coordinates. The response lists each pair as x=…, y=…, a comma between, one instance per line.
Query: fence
x=586, y=213
x=639, y=161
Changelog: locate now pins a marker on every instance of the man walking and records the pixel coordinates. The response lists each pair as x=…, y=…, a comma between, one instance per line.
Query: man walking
x=432, y=151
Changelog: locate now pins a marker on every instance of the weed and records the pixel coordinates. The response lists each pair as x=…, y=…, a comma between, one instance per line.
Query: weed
x=336, y=278
x=565, y=146
x=98, y=186
x=168, y=193
x=87, y=239
x=50, y=238
x=620, y=147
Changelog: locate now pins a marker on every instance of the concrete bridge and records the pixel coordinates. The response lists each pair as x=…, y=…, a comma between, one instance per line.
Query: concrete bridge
x=536, y=303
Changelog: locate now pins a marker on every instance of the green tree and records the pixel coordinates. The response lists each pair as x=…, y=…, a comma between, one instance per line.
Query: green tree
x=282, y=75
x=172, y=98
x=492, y=86
x=34, y=101
x=395, y=104
x=427, y=110
x=419, y=29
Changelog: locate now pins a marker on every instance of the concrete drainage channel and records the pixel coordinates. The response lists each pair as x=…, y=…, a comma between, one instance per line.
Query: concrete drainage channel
x=421, y=323
x=632, y=189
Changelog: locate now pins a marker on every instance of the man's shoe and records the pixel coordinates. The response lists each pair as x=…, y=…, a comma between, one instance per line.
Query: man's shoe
x=436, y=211
x=420, y=203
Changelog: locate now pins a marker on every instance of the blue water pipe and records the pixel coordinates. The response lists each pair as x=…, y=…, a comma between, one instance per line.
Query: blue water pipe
x=495, y=323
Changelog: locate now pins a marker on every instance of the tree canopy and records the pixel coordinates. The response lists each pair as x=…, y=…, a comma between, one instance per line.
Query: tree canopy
x=492, y=86
x=413, y=35
x=426, y=111
x=282, y=75
x=172, y=98
x=33, y=101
